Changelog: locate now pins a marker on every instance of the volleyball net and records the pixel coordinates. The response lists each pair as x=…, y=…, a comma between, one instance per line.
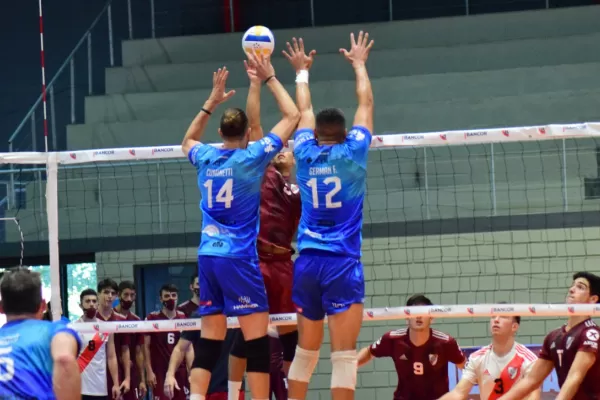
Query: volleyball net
x=472, y=219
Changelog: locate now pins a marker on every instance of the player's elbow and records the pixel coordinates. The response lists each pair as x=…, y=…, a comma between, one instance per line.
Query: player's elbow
x=64, y=360
x=293, y=116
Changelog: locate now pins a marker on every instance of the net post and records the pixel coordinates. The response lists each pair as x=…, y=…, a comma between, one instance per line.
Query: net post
x=52, y=212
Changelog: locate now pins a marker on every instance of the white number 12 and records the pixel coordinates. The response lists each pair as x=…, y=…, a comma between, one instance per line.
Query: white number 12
x=225, y=194
x=337, y=186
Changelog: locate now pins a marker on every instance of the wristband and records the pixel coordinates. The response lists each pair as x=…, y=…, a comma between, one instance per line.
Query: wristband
x=269, y=78
x=302, y=76
x=206, y=111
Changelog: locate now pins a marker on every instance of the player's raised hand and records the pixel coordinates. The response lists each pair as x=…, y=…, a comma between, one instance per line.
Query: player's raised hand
x=297, y=56
x=359, y=49
x=262, y=66
x=254, y=79
x=218, y=94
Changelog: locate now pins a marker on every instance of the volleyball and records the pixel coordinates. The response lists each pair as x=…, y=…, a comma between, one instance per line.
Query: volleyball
x=260, y=40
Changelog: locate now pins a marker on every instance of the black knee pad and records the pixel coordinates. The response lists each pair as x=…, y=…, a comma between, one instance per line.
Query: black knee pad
x=238, y=348
x=289, y=341
x=207, y=353
x=258, y=354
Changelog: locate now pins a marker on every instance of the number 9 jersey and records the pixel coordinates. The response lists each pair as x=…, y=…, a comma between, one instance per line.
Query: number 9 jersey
x=332, y=181
x=229, y=181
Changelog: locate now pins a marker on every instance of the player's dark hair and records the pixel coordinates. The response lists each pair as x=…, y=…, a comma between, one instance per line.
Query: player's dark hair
x=418, y=300
x=330, y=123
x=193, y=278
x=594, y=281
x=234, y=123
x=126, y=285
x=21, y=291
x=516, y=318
x=107, y=283
x=87, y=292
x=169, y=288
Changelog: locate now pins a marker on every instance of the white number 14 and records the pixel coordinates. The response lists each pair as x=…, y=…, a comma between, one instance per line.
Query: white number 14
x=329, y=203
x=224, y=195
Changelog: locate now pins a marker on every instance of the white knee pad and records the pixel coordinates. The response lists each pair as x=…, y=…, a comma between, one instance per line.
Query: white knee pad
x=344, y=369
x=303, y=365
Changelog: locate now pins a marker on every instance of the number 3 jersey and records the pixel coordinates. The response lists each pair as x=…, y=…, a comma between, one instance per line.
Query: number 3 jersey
x=423, y=370
x=25, y=359
x=230, y=183
x=496, y=375
x=332, y=181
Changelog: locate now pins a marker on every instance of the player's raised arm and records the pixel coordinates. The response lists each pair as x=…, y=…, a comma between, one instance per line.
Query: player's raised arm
x=540, y=370
x=357, y=56
x=253, y=104
x=582, y=363
x=66, y=378
x=290, y=115
x=301, y=64
x=217, y=96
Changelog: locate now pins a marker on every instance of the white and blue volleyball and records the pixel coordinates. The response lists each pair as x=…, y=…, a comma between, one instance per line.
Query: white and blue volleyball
x=260, y=40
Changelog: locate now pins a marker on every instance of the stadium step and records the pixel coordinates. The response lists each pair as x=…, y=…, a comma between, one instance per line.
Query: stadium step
x=514, y=110
x=392, y=35
x=393, y=90
x=382, y=63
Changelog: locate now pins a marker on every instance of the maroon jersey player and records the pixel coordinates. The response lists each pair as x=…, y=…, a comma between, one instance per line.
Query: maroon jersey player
x=571, y=349
x=421, y=356
x=160, y=345
x=190, y=306
x=127, y=294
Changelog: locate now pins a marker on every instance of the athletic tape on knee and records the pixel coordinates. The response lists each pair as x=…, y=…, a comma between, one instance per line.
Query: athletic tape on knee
x=289, y=341
x=207, y=353
x=258, y=355
x=303, y=365
x=344, y=369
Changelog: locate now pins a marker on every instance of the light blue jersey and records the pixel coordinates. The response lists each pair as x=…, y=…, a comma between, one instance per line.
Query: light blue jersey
x=332, y=181
x=25, y=358
x=229, y=181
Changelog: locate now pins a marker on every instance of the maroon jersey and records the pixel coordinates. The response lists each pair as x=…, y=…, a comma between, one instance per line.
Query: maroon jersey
x=135, y=340
x=121, y=340
x=561, y=347
x=162, y=344
x=188, y=308
x=422, y=371
x=279, y=210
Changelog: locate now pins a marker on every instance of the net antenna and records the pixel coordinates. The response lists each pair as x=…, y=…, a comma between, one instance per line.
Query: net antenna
x=16, y=221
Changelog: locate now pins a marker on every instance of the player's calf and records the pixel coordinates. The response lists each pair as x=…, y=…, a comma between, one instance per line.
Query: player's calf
x=289, y=341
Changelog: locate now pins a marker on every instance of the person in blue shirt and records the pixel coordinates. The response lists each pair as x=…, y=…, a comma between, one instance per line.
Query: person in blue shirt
x=38, y=359
x=328, y=275
x=229, y=179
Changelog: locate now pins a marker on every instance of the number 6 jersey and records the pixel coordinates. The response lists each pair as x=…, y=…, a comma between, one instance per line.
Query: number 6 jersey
x=496, y=375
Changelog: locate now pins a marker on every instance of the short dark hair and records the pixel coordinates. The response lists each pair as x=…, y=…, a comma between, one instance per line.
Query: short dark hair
x=234, y=123
x=594, y=281
x=126, y=285
x=193, y=278
x=516, y=318
x=330, y=122
x=169, y=288
x=21, y=291
x=418, y=300
x=87, y=292
x=107, y=283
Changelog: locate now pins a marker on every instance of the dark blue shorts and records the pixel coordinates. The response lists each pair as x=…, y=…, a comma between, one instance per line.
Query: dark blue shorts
x=326, y=284
x=230, y=286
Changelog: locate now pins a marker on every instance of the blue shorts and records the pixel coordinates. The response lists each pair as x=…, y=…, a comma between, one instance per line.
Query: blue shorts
x=325, y=283
x=230, y=286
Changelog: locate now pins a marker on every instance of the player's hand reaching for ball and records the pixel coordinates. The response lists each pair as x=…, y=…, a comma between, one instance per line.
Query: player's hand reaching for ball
x=261, y=66
x=218, y=94
x=359, y=49
x=297, y=57
x=254, y=79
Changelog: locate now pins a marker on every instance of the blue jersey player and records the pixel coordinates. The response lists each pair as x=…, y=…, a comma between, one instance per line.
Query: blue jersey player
x=38, y=359
x=229, y=179
x=328, y=274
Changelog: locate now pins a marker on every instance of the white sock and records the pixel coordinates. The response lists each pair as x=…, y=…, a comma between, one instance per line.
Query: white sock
x=233, y=390
x=197, y=397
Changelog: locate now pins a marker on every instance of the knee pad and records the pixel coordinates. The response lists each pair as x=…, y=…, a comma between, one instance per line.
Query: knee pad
x=303, y=365
x=289, y=341
x=258, y=355
x=207, y=353
x=238, y=349
x=344, y=369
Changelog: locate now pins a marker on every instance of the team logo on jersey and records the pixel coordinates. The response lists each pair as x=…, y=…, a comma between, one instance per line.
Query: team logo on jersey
x=592, y=335
x=433, y=359
x=210, y=230
x=357, y=135
x=569, y=343
x=268, y=144
x=512, y=372
x=403, y=358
